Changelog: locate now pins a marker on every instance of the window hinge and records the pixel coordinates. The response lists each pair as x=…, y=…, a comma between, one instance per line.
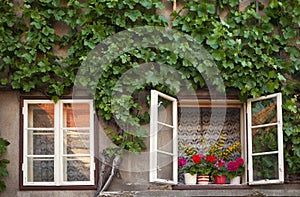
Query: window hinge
x=23, y=167
x=23, y=110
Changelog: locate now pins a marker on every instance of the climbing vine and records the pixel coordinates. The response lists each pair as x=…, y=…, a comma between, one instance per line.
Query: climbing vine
x=256, y=49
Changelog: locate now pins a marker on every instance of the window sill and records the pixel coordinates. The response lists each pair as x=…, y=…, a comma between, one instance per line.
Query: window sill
x=210, y=187
x=69, y=187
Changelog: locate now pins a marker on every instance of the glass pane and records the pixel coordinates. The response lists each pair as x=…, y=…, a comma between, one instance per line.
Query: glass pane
x=264, y=112
x=165, y=113
x=76, y=142
x=264, y=139
x=165, y=139
x=77, y=169
x=265, y=167
x=165, y=166
x=40, y=169
x=41, y=115
x=40, y=142
x=76, y=114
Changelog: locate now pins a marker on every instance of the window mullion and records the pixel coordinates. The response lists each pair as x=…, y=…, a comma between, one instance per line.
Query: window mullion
x=92, y=163
x=25, y=145
x=280, y=138
x=57, y=144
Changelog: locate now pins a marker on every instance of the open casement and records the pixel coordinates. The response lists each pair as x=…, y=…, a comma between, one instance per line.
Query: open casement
x=163, y=139
x=265, y=140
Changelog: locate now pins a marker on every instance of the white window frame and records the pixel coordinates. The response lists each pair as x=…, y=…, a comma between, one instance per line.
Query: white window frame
x=58, y=143
x=154, y=165
x=278, y=124
x=246, y=125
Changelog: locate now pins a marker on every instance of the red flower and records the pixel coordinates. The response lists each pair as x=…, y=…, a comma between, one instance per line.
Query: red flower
x=196, y=158
x=240, y=161
x=220, y=164
x=210, y=158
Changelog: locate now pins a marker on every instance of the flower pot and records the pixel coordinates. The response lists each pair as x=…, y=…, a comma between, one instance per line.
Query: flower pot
x=220, y=179
x=202, y=179
x=190, y=179
x=235, y=181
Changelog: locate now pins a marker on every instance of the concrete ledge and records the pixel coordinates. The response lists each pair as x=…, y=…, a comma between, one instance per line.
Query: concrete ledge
x=86, y=193
x=194, y=193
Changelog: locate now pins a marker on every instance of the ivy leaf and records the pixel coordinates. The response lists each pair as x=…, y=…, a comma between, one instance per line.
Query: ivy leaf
x=212, y=42
x=47, y=30
x=289, y=32
x=273, y=4
x=3, y=144
x=211, y=8
x=133, y=14
x=233, y=3
x=219, y=55
x=146, y=3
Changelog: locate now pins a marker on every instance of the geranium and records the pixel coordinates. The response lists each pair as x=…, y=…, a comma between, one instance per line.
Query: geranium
x=196, y=158
x=181, y=162
x=190, y=165
x=219, y=167
x=210, y=158
x=235, y=168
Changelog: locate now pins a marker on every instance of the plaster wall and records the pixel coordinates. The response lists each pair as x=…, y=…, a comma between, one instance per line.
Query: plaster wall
x=9, y=121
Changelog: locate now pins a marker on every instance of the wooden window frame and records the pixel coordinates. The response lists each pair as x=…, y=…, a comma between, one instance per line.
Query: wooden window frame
x=246, y=152
x=279, y=150
x=93, y=148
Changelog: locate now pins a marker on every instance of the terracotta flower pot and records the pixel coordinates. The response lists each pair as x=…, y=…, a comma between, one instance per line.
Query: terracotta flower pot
x=202, y=179
x=220, y=179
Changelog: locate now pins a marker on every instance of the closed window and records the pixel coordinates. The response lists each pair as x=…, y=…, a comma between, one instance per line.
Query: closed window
x=58, y=143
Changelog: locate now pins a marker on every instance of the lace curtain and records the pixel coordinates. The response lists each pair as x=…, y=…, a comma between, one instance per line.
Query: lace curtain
x=196, y=124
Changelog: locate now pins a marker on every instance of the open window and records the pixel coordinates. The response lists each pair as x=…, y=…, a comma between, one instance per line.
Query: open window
x=261, y=117
x=163, y=139
x=265, y=140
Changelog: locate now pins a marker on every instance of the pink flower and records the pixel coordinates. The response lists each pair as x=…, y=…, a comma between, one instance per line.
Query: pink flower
x=219, y=163
x=232, y=166
x=240, y=161
x=202, y=156
x=181, y=162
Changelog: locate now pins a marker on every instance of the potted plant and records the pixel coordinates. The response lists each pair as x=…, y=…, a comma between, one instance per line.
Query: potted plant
x=205, y=168
x=190, y=168
x=235, y=169
x=219, y=171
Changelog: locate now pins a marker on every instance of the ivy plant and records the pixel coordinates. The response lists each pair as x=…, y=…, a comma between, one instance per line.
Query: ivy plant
x=3, y=163
x=257, y=54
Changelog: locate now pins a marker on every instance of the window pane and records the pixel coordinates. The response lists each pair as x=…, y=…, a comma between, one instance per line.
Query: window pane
x=165, y=139
x=41, y=115
x=77, y=169
x=40, y=142
x=165, y=166
x=265, y=167
x=165, y=111
x=264, y=112
x=40, y=169
x=76, y=142
x=76, y=114
x=264, y=139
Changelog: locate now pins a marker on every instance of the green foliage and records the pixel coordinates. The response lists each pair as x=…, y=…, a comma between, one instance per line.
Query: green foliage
x=256, y=54
x=3, y=162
